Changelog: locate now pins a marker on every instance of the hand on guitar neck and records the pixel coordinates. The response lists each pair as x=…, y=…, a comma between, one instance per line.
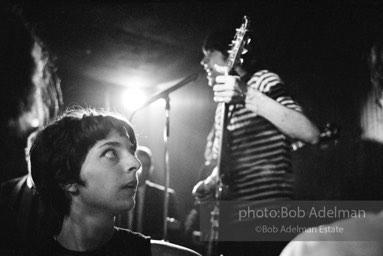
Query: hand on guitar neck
x=227, y=87
x=204, y=189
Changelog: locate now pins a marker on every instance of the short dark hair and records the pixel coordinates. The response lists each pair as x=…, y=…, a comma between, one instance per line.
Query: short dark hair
x=27, y=72
x=60, y=149
x=221, y=40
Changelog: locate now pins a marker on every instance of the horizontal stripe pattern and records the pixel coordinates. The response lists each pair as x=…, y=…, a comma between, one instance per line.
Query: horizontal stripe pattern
x=259, y=154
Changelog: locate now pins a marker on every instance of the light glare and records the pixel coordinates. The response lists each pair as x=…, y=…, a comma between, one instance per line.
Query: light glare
x=136, y=81
x=133, y=99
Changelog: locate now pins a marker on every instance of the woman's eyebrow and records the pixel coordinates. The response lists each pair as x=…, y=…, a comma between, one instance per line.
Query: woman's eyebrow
x=111, y=143
x=130, y=145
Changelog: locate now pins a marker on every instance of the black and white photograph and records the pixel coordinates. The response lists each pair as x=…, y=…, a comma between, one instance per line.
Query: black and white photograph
x=191, y=128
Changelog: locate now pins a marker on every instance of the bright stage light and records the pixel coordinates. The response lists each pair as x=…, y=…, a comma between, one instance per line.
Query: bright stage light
x=136, y=82
x=133, y=99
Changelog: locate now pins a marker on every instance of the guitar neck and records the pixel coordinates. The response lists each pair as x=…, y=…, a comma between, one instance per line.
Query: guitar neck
x=221, y=135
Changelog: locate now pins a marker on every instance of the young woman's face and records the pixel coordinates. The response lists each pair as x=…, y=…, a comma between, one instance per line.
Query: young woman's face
x=110, y=175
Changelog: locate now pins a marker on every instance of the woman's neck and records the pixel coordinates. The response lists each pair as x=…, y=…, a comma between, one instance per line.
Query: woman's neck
x=82, y=232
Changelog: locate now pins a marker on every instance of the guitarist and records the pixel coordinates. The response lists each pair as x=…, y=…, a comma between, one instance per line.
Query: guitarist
x=262, y=120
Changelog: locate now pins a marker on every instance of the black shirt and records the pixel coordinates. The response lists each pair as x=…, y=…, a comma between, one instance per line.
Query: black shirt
x=124, y=242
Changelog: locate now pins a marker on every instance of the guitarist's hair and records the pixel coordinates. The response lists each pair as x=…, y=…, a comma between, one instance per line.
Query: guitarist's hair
x=220, y=40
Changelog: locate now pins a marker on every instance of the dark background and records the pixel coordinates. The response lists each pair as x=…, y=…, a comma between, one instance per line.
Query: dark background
x=318, y=48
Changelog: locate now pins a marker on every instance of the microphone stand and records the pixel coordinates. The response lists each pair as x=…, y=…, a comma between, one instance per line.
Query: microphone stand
x=165, y=96
x=166, y=157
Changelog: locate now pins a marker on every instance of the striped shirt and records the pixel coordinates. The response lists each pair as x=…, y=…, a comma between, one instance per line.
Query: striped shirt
x=259, y=161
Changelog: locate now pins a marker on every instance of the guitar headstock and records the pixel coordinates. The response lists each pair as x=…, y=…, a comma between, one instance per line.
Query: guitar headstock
x=329, y=132
x=238, y=44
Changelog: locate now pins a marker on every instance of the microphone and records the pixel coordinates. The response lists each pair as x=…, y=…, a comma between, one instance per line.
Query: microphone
x=166, y=92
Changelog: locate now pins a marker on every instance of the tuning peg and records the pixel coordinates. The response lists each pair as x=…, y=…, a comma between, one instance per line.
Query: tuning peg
x=248, y=40
x=244, y=51
x=241, y=61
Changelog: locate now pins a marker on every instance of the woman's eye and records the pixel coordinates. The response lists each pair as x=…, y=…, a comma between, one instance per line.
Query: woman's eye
x=110, y=154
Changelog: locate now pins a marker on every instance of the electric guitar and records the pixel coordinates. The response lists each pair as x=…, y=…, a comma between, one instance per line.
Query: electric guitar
x=234, y=59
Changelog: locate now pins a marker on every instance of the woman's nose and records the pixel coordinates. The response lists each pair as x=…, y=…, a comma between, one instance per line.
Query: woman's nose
x=132, y=164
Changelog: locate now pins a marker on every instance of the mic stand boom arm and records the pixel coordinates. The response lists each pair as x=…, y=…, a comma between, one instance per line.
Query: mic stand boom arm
x=165, y=93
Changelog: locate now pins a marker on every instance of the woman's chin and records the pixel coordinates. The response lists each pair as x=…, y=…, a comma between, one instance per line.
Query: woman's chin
x=126, y=206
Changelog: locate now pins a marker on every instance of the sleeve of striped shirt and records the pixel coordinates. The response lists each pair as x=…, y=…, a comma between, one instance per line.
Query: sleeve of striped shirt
x=271, y=84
